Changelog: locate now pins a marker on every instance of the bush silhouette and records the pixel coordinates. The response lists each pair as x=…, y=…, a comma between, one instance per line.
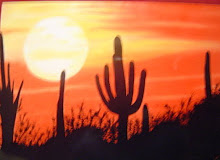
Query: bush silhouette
x=87, y=143
x=204, y=127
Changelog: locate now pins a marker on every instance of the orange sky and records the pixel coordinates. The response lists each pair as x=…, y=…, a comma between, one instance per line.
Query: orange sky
x=169, y=40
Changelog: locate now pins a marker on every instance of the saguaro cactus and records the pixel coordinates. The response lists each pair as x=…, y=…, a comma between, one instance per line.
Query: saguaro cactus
x=8, y=106
x=121, y=104
x=207, y=77
x=60, y=120
x=145, y=121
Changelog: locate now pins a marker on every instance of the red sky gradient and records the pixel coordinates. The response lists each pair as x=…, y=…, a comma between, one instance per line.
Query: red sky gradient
x=169, y=40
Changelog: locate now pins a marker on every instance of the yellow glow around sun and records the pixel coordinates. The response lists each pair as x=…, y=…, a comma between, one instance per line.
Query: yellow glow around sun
x=53, y=45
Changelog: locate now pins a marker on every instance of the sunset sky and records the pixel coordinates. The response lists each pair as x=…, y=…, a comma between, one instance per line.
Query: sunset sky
x=169, y=40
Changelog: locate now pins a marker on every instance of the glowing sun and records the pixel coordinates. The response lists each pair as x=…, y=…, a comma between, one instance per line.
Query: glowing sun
x=53, y=45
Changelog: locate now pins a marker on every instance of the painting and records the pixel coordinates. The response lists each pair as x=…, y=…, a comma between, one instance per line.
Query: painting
x=119, y=80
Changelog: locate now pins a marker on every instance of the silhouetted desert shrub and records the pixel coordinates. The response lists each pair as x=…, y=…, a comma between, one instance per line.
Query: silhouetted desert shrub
x=180, y=114
x=86, y=143
x=24, y=132
x=204, y=126
x=101, y=120
x=7, y=156
x=168, y=138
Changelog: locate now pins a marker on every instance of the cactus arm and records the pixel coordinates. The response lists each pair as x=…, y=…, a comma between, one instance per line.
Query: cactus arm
x=207, y=76
x=12, y=89
x=138, y=102
x=2, y=63
x=118, y=69
x=10, y=93
x=111, y=104
x=9, y=80
x=18, y=94
x=100, y=91
x=107, y=84
x=19, y=105
x=131, y=82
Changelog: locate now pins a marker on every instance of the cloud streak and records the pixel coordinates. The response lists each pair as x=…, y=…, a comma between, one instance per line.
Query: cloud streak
x=168, y=97
x=178, y=78
x=52, y=89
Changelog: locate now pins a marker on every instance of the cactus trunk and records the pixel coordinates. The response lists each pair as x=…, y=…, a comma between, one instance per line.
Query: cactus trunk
x=119, y=69
x=60, y=119
x=145, y=122
x=207, y=77
x=122, y=128
x=7, y=132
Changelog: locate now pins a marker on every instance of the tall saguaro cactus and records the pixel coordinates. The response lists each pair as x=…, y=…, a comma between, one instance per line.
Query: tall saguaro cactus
x=60, y=120
x=8, y=105
x=121, y=103
x=145, y=121
x=207, y=77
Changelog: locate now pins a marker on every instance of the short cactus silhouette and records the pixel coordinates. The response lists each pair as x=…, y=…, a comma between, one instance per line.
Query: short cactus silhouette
x=121, y=104
x=8, y=106
x=60, y=119
x=145, y=121
x=207, y=77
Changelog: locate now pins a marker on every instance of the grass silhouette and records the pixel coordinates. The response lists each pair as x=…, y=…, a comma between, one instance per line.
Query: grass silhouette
x=169, y=138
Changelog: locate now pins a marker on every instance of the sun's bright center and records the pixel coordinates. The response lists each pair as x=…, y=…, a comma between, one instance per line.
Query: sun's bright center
x=53, y=45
